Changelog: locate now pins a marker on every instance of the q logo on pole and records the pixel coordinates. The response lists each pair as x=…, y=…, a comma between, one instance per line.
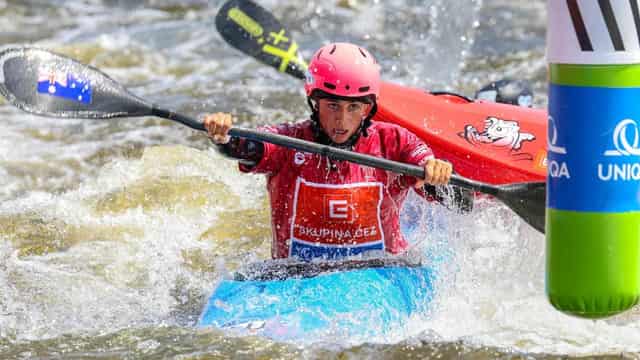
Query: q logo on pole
x=621, y=142
x=556, y=165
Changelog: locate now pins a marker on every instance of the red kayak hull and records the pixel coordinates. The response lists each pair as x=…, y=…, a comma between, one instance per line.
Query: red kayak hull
x=485, y=141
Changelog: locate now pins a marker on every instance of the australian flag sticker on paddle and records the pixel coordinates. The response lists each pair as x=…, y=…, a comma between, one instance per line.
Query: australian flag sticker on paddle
x=64, y=85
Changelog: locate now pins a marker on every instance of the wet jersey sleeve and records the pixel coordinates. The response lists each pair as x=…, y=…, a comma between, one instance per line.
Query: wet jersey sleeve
x=272, y=155
x=412, y=149
x=247, y=152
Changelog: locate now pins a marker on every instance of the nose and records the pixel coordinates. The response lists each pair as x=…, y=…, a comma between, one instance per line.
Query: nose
x=342, y=113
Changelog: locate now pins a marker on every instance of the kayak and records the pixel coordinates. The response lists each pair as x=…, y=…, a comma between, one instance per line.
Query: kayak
x=354, y=299
x=477, y=137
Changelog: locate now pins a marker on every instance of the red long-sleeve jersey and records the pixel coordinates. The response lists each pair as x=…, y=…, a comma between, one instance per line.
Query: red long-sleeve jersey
x=327, y=208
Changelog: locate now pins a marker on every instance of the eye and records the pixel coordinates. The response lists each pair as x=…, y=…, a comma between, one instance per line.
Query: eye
x=332, y=106
x=354, y=107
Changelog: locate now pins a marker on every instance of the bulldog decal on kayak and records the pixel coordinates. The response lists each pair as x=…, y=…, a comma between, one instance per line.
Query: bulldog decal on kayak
x=499, y=133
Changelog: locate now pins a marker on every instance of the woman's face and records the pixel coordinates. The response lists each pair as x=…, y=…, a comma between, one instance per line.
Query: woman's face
x=341, y=118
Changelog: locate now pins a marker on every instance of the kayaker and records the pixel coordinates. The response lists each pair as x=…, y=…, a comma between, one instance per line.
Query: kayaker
x=331, y=209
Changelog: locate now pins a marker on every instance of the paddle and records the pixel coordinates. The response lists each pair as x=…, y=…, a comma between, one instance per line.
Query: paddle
x=256, y=32
x=49, y=84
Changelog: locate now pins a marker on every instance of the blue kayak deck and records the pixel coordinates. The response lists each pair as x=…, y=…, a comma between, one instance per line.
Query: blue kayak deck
x=357, y=302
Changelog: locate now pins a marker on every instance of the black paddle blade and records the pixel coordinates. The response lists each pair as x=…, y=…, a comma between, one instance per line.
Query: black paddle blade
x=254, y=31
x=45, y=83
x=527, y=200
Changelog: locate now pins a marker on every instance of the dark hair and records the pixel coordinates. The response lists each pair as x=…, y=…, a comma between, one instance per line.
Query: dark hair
x=318, y=94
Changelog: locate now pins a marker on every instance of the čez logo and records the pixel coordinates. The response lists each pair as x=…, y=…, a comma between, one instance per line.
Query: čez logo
x=626, y=171
x=338, y=208
x=557, y=169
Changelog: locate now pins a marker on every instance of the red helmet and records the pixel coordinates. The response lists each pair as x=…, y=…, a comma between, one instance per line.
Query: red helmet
x=345, y=70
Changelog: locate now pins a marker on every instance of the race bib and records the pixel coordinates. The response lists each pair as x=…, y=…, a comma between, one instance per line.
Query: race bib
x=332, y=221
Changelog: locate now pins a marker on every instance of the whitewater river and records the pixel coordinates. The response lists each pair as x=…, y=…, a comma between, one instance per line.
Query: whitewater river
x=114, y=232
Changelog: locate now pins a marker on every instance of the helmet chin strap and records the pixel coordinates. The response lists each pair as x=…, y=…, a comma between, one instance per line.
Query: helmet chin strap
x=323, y=138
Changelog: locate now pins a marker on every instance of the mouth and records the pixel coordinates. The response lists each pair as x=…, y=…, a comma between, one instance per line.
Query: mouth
x=340, y=131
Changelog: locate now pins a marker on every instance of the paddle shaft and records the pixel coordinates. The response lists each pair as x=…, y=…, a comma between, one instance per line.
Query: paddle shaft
x=326, y=150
